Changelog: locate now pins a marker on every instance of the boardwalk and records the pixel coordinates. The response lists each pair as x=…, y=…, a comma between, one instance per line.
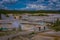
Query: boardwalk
x=14, y=35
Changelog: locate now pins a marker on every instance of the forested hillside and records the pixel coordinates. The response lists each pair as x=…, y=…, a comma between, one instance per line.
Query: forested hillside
x=25, y=11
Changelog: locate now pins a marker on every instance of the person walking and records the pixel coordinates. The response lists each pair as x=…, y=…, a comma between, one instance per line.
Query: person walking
x=44, y=28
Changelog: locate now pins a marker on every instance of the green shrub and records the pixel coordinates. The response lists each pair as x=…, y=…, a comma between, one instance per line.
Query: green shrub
x=56, y=25
x=32, y=33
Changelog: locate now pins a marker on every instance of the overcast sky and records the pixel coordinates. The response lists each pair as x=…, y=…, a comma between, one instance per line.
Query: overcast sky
x=30, y=4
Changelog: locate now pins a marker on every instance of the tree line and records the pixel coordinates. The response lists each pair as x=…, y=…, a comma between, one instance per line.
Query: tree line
x=26, y=11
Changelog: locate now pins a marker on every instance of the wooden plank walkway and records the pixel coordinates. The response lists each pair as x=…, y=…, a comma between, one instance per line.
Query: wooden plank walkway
x=13, y=35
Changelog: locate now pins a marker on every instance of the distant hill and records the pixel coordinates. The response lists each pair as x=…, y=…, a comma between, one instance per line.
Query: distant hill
x=25, y=11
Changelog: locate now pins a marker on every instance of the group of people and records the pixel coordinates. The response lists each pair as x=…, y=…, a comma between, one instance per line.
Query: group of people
x=43, y=28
